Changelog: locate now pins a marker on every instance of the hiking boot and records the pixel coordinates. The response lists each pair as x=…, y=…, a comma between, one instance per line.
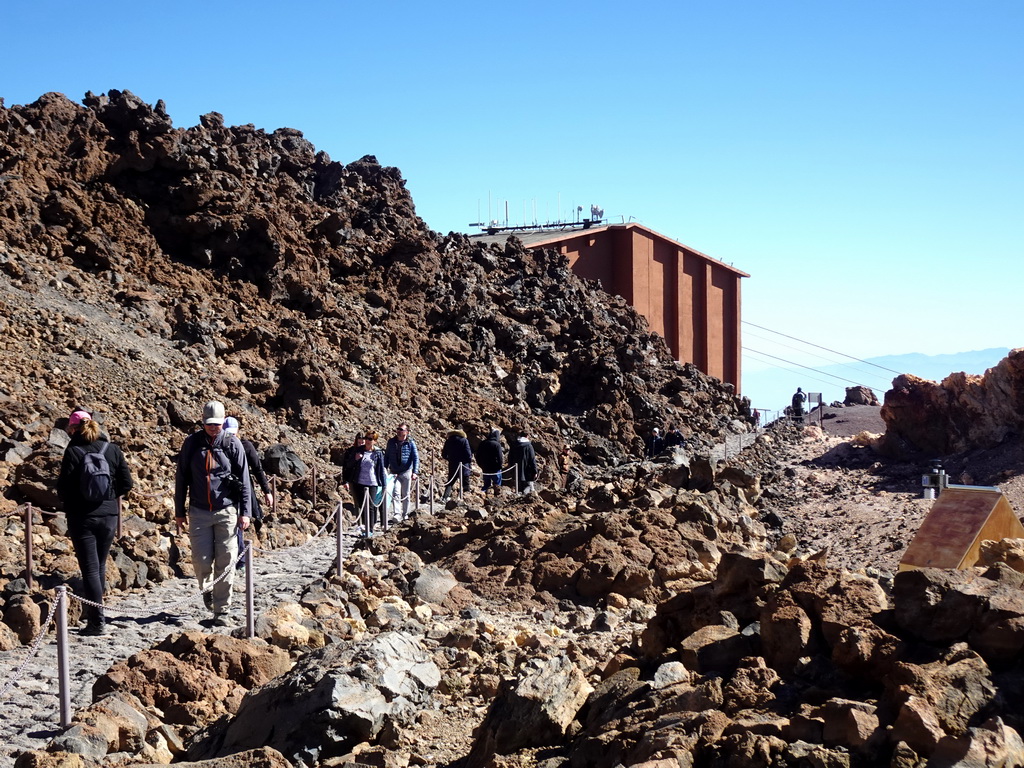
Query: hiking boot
x=93, y=629
x=221, y=620
x=208, y=600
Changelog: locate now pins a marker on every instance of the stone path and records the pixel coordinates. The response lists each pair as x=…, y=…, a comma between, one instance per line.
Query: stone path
x=30, y=712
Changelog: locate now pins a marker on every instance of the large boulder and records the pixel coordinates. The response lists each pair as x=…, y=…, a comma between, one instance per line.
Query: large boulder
x=332, y=700
x=533, y=710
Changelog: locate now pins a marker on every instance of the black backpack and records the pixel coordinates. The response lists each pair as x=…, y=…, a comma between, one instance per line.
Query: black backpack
x=94, y=481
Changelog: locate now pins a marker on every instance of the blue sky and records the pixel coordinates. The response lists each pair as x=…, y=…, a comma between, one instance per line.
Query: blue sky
x=862, y=161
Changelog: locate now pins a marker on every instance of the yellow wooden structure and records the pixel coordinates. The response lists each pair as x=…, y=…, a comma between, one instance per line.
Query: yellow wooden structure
x=961, y=518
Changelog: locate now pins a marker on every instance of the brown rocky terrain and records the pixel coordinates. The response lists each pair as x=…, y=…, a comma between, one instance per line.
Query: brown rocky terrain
x=735, y=603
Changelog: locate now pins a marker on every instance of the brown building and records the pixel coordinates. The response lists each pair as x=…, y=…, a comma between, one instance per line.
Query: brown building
x=689, y=298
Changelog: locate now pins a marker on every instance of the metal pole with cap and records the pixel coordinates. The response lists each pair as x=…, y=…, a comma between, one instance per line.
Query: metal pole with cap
x=63, y=672
x=28, y=545
x=250, y=611
x=338, y=540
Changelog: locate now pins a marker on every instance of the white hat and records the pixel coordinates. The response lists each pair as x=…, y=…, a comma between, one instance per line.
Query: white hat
x=213, y=412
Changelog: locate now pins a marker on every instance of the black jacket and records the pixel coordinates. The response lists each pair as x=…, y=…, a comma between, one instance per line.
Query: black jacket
x=204, y=470
x=252, y=458
x=522, y=456
x=490, y=455
x=75, y=506
x=456, y=451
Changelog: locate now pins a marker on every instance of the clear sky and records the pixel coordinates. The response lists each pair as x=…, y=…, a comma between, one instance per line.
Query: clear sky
x=862, y=161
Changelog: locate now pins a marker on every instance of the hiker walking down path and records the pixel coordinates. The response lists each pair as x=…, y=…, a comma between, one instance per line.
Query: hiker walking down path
x=93, y=475
x=213, y=475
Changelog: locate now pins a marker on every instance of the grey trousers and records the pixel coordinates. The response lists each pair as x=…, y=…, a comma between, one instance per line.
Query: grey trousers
x=214, y=550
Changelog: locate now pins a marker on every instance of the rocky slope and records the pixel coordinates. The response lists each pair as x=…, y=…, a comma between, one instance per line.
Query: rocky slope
x=670, y=613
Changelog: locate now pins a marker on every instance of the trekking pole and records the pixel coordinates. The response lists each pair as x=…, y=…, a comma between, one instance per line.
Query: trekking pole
x=63, y=674
x=28, y=545
x=250, y=613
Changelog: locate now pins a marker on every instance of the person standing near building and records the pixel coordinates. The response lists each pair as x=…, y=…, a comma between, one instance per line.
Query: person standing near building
x=458, y=453
x=93, y=475
x=213, y=476
x=523, y=459
x=402, y=461
x=490, y=457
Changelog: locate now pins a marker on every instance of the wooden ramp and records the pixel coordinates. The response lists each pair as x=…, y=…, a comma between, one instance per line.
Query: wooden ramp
x=961, y=518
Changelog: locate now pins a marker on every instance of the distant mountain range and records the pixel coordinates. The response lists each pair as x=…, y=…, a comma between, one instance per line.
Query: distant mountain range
x=772, y=388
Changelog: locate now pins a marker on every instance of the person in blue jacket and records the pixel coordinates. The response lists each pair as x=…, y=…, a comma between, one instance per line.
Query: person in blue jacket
x=402, y=462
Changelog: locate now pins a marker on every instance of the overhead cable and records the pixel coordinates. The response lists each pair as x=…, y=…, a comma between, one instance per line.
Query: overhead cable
x=833, y=351
x=821, y=357
x=809, y=368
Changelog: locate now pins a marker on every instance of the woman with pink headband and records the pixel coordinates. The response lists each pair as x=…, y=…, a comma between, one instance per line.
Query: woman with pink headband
x=93, y=475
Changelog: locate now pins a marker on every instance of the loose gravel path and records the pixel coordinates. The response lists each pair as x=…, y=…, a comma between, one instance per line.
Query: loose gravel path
x=30, y=712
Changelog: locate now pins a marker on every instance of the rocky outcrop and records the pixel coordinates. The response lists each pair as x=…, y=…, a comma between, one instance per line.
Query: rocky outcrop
x=331, y=701
x=962, y=412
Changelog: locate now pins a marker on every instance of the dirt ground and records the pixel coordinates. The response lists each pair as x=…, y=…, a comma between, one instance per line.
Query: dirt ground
x=842, y=497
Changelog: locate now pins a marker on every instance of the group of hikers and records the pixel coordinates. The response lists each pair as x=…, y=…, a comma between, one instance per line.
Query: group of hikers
x=215, y=500
x=657, y=443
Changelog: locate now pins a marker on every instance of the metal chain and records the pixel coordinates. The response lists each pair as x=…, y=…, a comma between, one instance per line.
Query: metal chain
x=13, y=679
x=308, y=543
x=166, y=608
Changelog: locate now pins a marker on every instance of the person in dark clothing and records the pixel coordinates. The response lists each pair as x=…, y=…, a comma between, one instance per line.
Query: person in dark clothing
x=523, y=461
x=674, y=437
x=799, y=398
x=213, y=477
x=92, y=523
x=458, y=453
x=256, y=472
x=364, y=475
x=655, y=444
x=490, y=457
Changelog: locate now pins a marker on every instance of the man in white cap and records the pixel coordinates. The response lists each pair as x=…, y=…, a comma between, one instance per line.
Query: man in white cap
x=214, y=476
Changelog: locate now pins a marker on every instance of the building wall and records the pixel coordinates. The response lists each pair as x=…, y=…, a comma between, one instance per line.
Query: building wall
x=691, y=300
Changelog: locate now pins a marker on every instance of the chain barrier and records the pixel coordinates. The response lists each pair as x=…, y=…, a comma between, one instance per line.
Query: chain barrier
x=309, y=542
x=15, y=678
x=362, y=514
x=166, y=608
x=16, y=511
